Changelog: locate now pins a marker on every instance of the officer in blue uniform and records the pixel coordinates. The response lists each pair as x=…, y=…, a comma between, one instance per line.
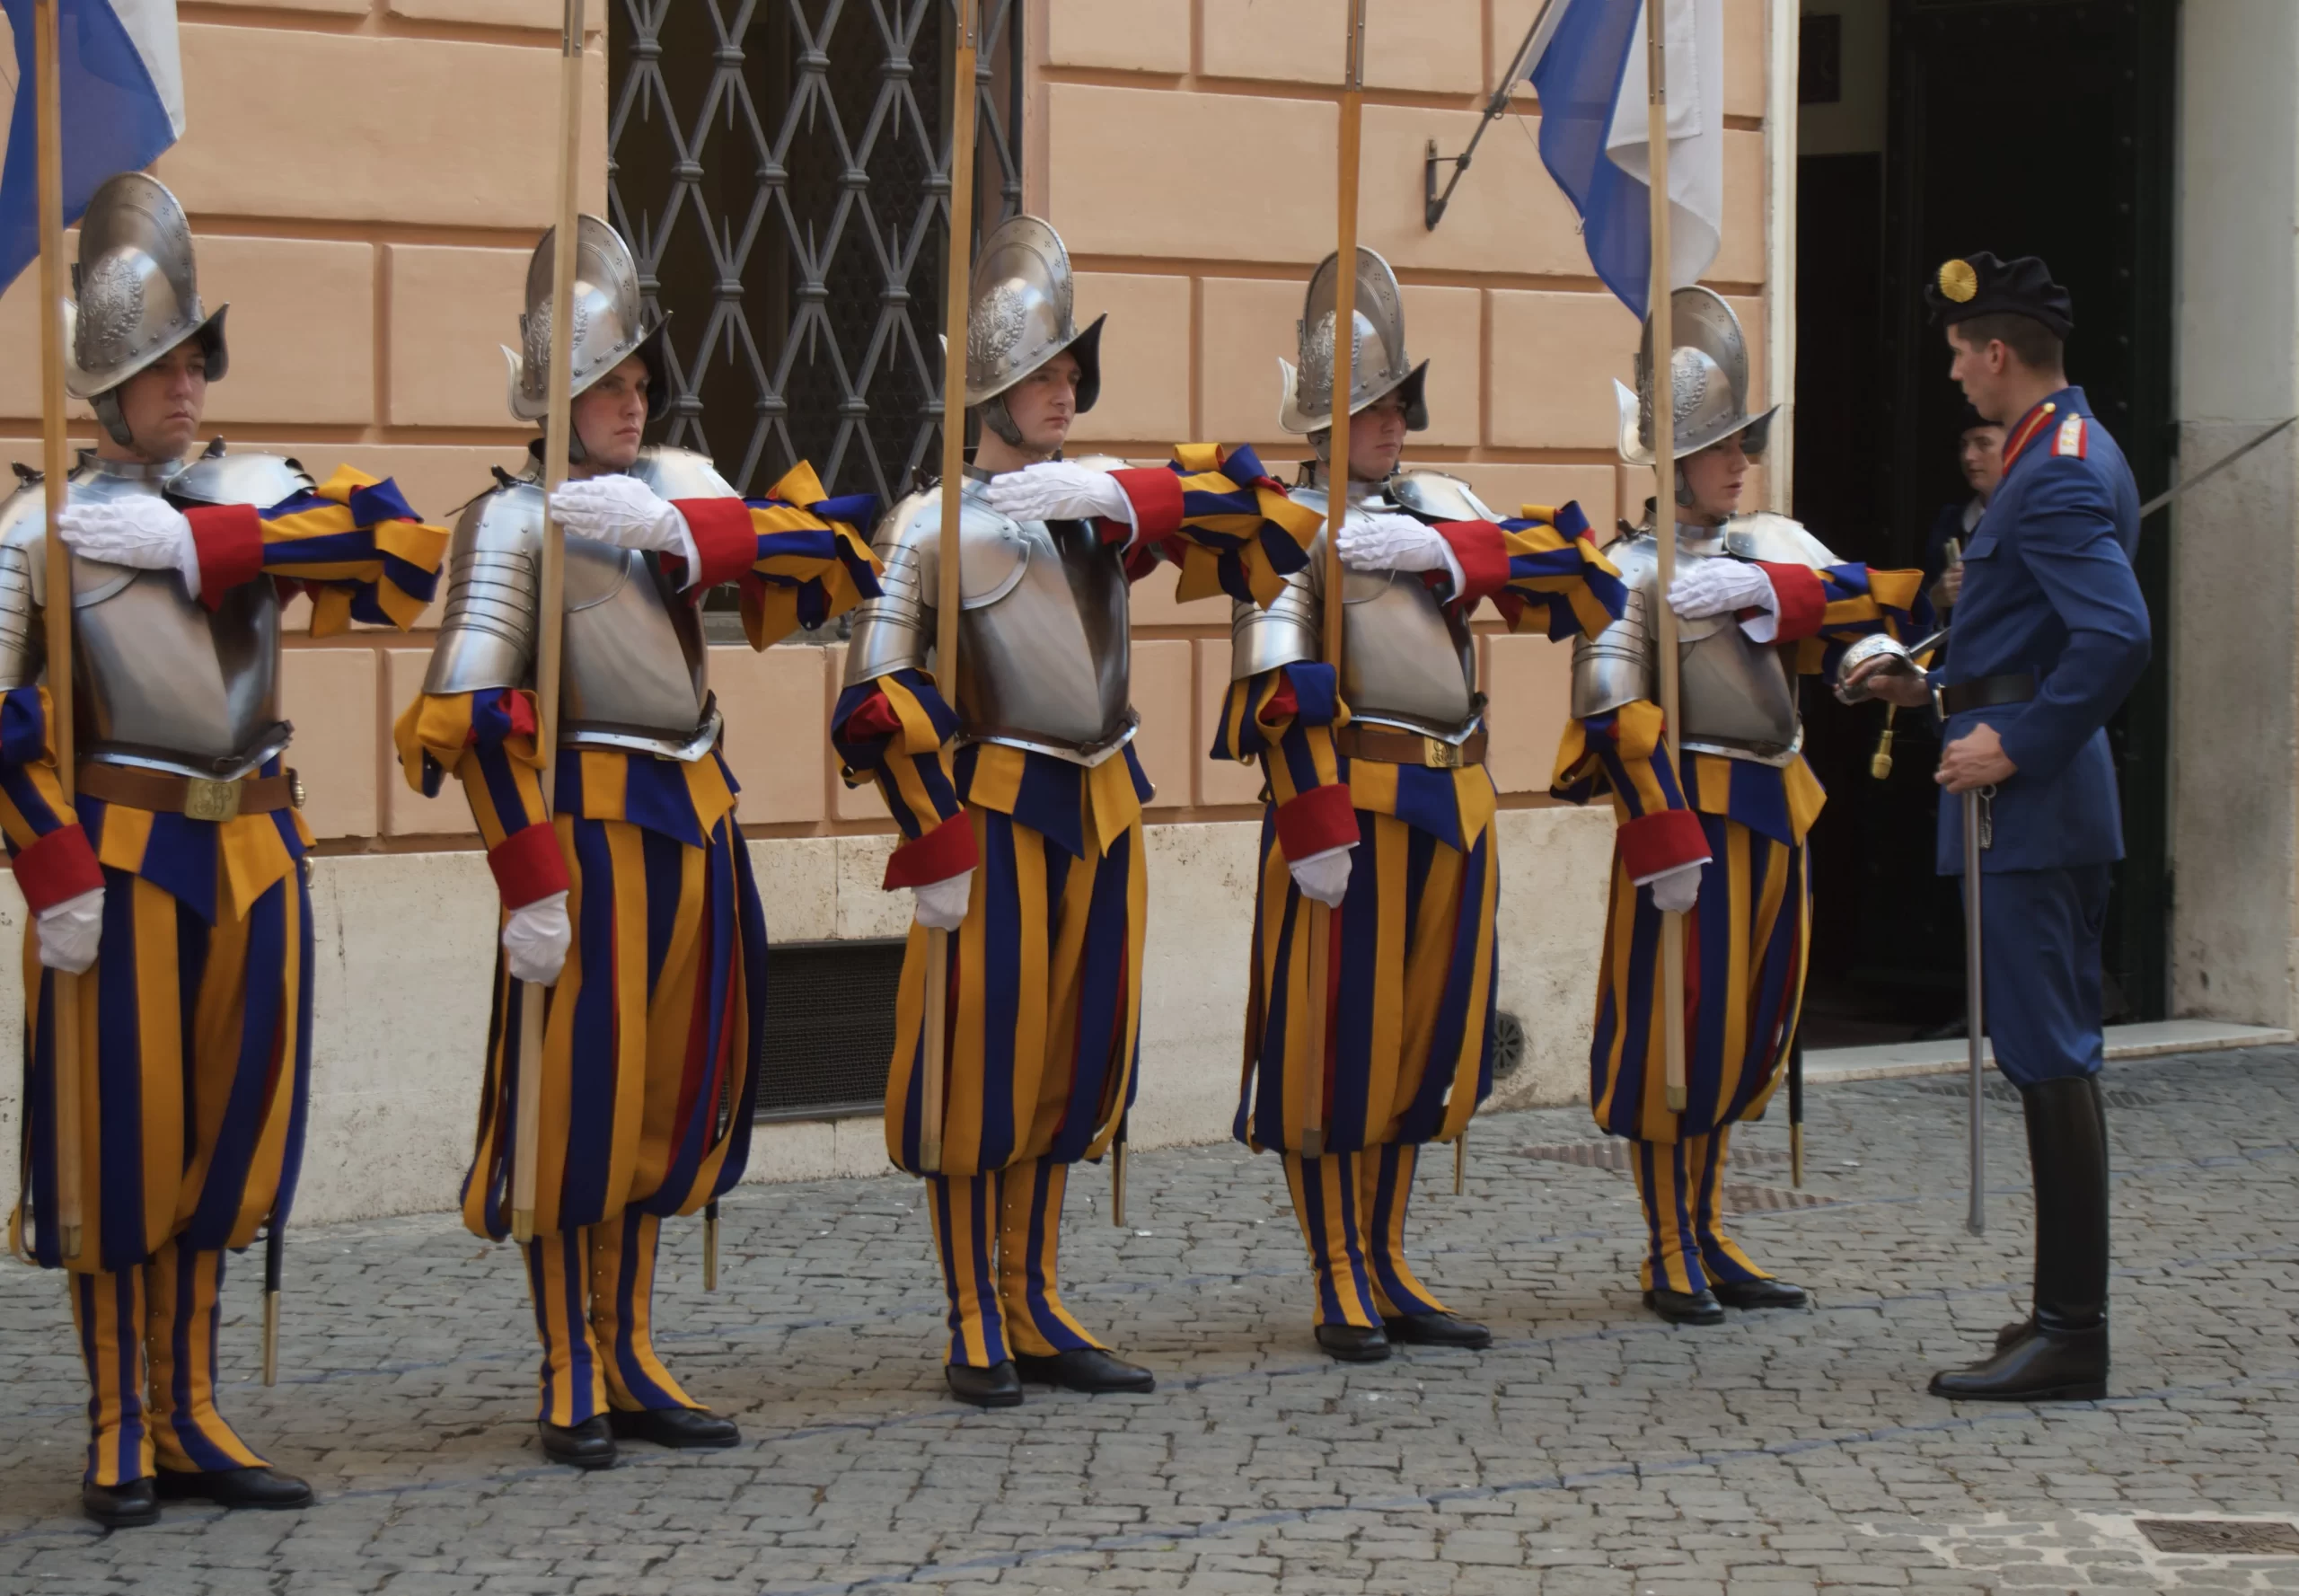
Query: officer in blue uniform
x=2050, y=634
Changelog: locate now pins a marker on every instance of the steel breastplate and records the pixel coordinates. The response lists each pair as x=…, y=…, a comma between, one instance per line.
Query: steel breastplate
x=1736, y=695
x=634, y=671
x=162, y=682
x=1405, y=662
x=1043, y=653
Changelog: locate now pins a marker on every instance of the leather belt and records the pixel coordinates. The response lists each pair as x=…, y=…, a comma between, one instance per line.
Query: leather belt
x=1405, y=747
x=1986, y=693
x=195, y=797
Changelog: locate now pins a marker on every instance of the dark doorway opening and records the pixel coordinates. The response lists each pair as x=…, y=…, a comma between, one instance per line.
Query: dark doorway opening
x=2024, y=126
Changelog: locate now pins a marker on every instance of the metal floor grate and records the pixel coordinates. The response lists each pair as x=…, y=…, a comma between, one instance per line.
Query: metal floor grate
x=2237, y=1538
x=2004, y=1091
x=830, y=1028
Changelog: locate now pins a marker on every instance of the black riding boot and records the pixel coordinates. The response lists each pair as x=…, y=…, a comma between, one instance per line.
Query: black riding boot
x=2064, y=1357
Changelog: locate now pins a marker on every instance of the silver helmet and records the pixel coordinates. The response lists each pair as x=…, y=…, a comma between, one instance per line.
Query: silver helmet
x=611, y=322
x=1022, y=314
x=1708, y=378
x=137, y=290
x=1379, y=365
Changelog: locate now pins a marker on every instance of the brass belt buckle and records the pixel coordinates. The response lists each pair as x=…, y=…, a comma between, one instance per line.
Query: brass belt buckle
x=204, y=799
x=1438, y=755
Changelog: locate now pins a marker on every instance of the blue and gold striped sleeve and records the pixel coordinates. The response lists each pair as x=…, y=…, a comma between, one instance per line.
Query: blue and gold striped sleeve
x=1217, y=514
x=896, y=730
x=1286, y=719
x=1557, y=581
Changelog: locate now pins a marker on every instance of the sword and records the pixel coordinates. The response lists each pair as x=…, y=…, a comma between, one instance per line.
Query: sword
x=2211, y=470
x=1976, y=818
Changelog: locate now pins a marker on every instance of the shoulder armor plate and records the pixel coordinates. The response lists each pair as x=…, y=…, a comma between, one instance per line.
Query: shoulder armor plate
x=1438, y=496
x=494, y=582
x=1775, y=540
x=681, y=473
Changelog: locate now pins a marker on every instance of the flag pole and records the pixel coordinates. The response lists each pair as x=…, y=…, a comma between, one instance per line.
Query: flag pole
x=556, y=420
x=1344, y=380
x=1660, y=385
x=934, y=1021
x=64, y=987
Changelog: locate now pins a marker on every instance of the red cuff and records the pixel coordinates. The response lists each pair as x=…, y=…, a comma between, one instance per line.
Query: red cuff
x=1653, y=844
x=1155, y=494
x=57, y=869
x=1803, y=600
x=872, y=718
x=946, y=850
x=229, y=539
x=724, y=538
x=528, y=865
x=1312, y=822
x=1483, y=556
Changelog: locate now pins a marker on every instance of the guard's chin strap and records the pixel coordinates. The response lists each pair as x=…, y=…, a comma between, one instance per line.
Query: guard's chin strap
x=1000, y=420
x=115, y=420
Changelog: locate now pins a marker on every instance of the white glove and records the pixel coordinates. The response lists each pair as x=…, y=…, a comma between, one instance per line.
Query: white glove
x=536, y=937
x=70, y=931
x=1705, y=587
x=1385, y=541
x=941, y=906
x=1675, y=891
x=145, y=533
x=1057, y=490
x=627, y=513
x=1324, y=876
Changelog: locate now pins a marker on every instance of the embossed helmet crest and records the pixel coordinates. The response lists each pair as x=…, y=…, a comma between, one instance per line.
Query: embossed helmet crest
x=610, y=321
x=1379, y=365
x=1708, y=383
x=138, y=287
x=1022, y=316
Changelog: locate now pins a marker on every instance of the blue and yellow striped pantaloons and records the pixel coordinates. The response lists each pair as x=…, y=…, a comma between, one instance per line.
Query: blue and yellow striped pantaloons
x=195, y=1045
x=1043, y=1030
x=1352, y=1206
x=999, y=1236
x=1680, y=1185
x=650, y=1051
x=1746, y=944
x=1408, y=1052
x=148, y=1340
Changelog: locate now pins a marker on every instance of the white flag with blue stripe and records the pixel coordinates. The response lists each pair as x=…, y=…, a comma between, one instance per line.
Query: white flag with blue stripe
x=1587, y=63
x=122, y=102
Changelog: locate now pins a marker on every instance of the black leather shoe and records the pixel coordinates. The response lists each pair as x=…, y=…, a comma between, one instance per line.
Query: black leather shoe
x=683, y=1429
x=123, y=1507
x=2047, y=1366
x=2017, y=1330
x=235, y=1488
x=1760, y=1293
x=587, y=1445
x=1438, y=1329
x=1354, y=1345
x=1685, y=1308
x=998, y=1385
x=1085, y=1369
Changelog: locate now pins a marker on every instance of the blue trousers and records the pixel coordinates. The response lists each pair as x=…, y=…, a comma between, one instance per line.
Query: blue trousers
x=2040, y=936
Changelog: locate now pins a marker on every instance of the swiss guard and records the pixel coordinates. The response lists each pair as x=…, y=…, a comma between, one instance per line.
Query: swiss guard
x=1020, y=796
x=2052, y=635
x=1760, y=603
x=1369, y=1022
x=628, y=891
x=174, y=885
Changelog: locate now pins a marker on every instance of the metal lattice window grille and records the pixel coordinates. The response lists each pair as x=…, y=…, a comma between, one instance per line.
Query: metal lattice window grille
x=780, y=168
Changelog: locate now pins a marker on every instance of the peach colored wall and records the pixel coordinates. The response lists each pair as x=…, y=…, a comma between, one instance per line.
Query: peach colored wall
x=369, y=211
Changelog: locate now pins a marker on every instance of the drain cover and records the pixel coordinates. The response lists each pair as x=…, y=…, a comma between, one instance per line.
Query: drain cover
x=1608, y=1154
x=1740, y=1197
x=2000, y=1091
x=2235, y=1538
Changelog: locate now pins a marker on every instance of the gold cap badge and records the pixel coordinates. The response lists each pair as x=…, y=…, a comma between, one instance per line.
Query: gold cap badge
x=1958, y=281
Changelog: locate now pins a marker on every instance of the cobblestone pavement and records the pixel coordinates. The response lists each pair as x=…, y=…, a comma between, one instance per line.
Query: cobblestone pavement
x=1593, y=1450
